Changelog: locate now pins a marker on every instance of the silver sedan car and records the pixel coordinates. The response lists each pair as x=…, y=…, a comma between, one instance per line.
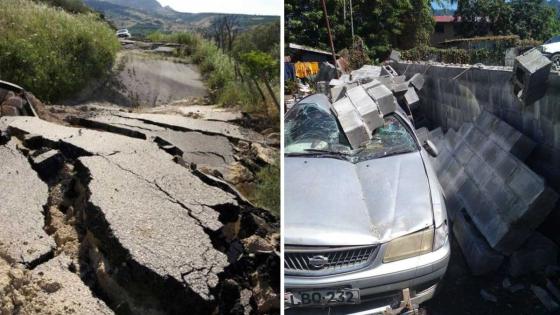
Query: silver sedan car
x=366, y=229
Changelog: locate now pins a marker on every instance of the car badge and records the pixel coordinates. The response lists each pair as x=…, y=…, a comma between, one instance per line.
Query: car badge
x=318, y=262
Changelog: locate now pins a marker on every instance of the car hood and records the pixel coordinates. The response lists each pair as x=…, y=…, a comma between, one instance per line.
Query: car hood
x=333, y=202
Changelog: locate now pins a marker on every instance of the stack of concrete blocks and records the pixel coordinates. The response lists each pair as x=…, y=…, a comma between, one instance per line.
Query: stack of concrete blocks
x=481, y=169
x=367, y=108
x=530, y=76
x=351, y=122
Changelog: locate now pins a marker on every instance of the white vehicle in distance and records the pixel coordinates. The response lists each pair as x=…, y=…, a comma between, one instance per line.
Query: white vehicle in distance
x=551, y=49
x=123, y=33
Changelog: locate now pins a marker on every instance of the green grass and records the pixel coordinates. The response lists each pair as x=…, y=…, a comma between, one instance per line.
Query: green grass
x=267, y=194
x=51, y=52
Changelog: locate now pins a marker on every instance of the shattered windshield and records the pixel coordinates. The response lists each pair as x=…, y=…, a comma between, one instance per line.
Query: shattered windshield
x=313, y=130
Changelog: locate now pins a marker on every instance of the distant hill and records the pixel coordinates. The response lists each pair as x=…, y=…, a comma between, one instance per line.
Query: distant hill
x=141, y=17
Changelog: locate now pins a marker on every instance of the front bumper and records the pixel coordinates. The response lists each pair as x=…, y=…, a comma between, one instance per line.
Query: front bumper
x=420, y=274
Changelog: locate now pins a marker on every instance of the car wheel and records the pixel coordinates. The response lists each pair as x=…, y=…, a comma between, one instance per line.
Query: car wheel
x=555, y=61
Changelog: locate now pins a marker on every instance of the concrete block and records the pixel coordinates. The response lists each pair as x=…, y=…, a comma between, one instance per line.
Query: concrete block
x=371, y=84
x=399, y=89
x=388, y=70
x=411, y=98
x=463, y=153
x=503, y=163
x=367, y=108
x=476, y=139
x=395, y=56
x=537, y=253
x=436, y=133
x=417, y=81
x=351, y=122
x=338, y=92
x=384, y=98
x=366, y=73
x=530, y=76
x=480, y=257
x=451, y=140
x=512, y=140
x=486, y=122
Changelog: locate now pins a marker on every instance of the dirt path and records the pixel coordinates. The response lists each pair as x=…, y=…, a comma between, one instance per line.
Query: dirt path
x=143, y=77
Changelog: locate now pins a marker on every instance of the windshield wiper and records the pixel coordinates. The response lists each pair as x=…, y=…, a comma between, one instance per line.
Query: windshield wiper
x=325, y=151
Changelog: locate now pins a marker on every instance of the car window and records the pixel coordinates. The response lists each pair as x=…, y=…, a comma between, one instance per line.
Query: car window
x=554, y=39
x=310, y=129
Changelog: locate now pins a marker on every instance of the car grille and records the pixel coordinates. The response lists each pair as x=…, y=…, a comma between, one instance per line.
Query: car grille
x=303, y=260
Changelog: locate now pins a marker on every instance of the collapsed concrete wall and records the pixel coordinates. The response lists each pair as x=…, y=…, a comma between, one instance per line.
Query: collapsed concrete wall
x=455, y=94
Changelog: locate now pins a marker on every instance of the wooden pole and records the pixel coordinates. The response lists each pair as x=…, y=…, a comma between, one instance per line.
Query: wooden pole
x=330, y=36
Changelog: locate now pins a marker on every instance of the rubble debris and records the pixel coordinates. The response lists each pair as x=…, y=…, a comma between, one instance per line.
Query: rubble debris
x=351, y=122
x=367, y=108
x=537, y=253
x=51, y=288
x=366, y=73
x=480, y=257
x=487, y=296
x=388, y=70
x=545, y=298
x=530, y=76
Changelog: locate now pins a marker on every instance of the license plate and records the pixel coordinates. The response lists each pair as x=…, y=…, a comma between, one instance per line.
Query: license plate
x=322, y=297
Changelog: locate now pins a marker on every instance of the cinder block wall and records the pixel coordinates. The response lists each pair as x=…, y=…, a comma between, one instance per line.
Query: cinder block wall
x=448, y=102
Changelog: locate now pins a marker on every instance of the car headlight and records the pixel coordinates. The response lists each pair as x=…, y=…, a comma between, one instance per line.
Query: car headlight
x=415, y=244
x=440, y=236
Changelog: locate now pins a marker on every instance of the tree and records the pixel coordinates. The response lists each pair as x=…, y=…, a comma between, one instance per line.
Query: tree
x=261, y=66
x=382, y=24
x=534, y=19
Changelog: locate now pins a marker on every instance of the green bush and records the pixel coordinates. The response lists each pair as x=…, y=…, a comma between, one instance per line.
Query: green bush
x=50, y=52
x=268, y=193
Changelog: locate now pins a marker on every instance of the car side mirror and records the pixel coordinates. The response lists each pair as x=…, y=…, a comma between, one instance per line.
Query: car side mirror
x=430, y=147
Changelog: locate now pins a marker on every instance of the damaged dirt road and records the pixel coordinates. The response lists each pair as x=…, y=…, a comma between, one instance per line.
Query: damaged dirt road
x=113, y=211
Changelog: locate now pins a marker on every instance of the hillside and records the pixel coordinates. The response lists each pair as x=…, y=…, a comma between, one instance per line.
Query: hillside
x=145, y=16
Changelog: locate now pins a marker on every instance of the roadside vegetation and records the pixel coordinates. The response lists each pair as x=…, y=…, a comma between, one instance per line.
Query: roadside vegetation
x=383, y=25
x=230, y=62
x=240, y=70
x=53, y=52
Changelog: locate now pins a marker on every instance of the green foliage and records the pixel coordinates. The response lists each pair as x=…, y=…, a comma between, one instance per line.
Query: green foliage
x=265, y=38
x=51, y=52
x=258, y=63
x=527, y=18
x=73, y=6
x=268, y=193
x=457, y=55
x=382, y=24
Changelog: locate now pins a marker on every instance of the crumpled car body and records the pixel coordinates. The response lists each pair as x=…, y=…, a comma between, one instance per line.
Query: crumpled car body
x=370, y=223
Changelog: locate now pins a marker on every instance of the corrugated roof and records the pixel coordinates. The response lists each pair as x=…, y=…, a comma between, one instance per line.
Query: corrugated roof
x=444, y=19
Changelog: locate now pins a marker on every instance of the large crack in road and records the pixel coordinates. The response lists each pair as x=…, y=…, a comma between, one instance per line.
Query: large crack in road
x=144, y=233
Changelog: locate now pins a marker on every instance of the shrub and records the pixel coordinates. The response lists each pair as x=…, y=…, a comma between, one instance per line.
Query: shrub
x=51, y=52
x=268, y=193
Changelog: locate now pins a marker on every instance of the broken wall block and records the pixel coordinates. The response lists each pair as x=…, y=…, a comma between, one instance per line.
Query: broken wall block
x=530, y=76
x=338, y=92
x=371, y=84
x=399, y=89
x=367, y=108
x=537, y=253
x=479, y=256
x=351, y=122
x=366, y=73
x=411, y=98
x=417, y=81
x=388, y=70
x=384, y=98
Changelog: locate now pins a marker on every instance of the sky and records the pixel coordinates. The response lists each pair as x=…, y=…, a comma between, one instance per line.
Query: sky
x=259, y=7
x=436, y=6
